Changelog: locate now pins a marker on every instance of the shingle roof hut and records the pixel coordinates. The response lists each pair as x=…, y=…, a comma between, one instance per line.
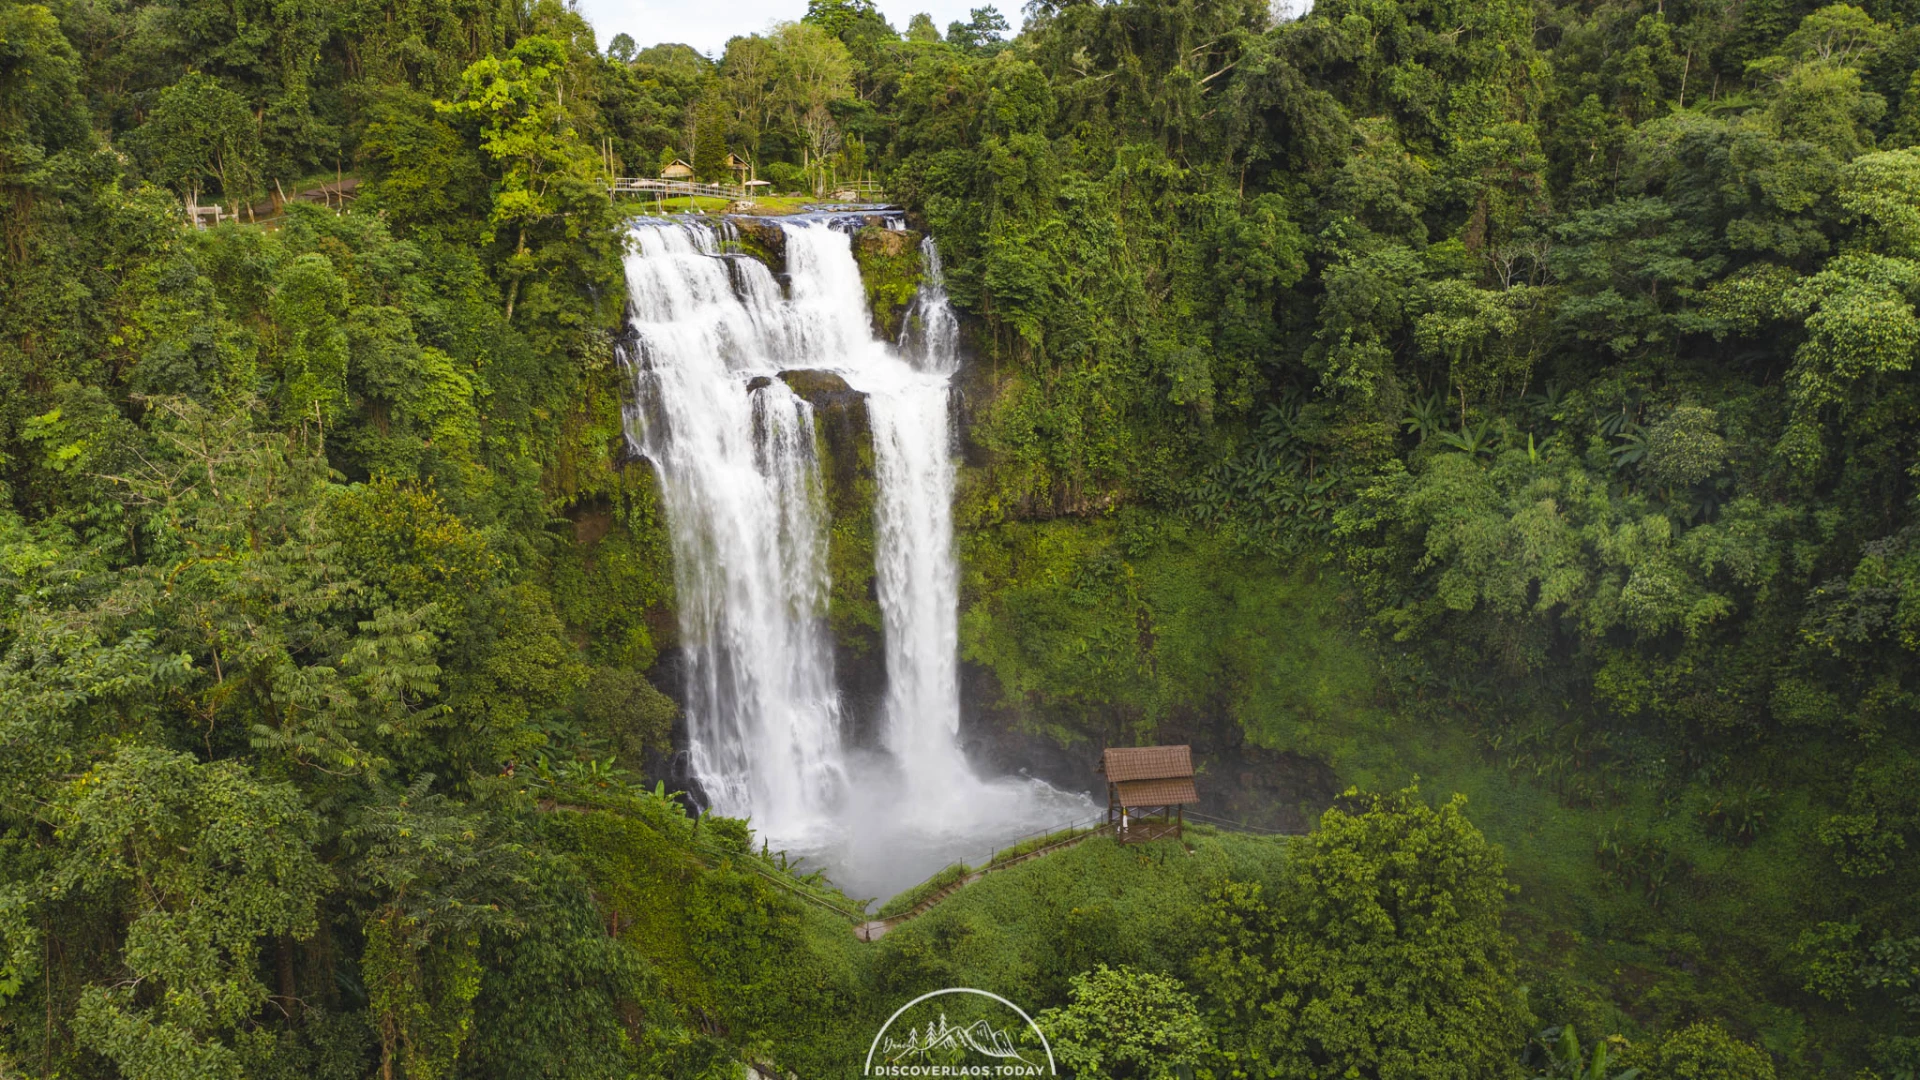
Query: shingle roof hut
x=1148, y=788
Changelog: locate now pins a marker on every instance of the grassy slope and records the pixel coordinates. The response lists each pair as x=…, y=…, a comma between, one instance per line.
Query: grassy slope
x=735, y=956
x=1023, y=931
x=1101, y=628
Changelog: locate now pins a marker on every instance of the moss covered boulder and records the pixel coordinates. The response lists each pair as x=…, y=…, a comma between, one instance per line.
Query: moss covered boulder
x=844, y=433
x=761, y=238
x=890, y=266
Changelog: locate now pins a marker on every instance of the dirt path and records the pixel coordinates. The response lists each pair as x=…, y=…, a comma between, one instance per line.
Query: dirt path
x=874, y=929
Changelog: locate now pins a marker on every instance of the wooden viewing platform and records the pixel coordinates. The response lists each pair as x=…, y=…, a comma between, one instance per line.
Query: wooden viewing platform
x=1148, y=791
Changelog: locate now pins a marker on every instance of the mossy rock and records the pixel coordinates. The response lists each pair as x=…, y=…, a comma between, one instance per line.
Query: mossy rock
x=613, y=585
x=891, y=268
x=845, y=432
x=822, y=389
x=761, y=239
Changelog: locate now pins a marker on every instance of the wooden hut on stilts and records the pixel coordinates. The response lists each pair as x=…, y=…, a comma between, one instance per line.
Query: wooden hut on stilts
x=1148, y=790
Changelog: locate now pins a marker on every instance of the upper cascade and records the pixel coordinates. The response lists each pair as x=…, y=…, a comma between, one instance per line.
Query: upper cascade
x=741, y=472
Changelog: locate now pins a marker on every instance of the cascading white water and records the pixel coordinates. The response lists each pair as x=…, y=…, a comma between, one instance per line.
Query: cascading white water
x=742, y=489
x=735, y=451
x=916, y=577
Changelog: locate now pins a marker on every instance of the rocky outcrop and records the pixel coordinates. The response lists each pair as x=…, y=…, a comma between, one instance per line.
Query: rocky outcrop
x=845, y=438
x=890, y=267
x=763, y=239
x=824, y=390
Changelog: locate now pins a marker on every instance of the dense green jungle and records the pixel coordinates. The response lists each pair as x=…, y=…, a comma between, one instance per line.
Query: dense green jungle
x=1485, y=430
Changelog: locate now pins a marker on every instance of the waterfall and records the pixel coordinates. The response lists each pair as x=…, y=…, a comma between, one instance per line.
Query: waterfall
x=917, y=574
x=743, y=494
x=741, y=486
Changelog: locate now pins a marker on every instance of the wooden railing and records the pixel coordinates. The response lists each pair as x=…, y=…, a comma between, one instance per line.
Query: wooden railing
x=640, y=185
x=647, y=186
x=861, y=189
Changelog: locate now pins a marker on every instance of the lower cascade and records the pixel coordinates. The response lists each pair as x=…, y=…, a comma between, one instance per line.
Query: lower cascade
x=739, y=460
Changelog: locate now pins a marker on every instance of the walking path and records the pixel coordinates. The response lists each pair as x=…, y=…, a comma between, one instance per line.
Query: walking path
x=875, y=928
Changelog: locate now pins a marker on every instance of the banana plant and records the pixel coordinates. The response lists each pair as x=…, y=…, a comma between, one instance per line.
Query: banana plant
x=1565, y=1061
x=1426, y=418
x=1632, y=449
x=1473, y=442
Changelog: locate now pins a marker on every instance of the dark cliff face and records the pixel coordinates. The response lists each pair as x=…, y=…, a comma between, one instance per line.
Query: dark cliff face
x=1236, y=780
x=843, y=433
x=997, y=743
x=1058, y=737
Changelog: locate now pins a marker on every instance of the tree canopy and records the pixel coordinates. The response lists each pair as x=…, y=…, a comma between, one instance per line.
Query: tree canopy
x=1521, y=396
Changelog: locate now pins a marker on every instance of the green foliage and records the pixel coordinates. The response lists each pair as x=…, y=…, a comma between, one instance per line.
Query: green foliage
x=205, y=860
x=980, y=32
x=200, y=131
x=1124, y=1024
x=39, y=87
x=1564, y=1058
x=423, y=1007
x=921, y=29
x=890, y=269
x=1703, y=1051
x=1114, y=629
x=1387, y=961
x=1029, y=930
x=636, y=718
x=1684, y=449
x=779, y=973
x=548, y=198
x=435, y=880
x=619, y=584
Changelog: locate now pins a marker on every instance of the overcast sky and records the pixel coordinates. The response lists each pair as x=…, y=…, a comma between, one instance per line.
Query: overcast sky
x=707, y=24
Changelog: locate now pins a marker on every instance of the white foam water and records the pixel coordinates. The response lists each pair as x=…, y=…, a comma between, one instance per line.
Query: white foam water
x=742, y=490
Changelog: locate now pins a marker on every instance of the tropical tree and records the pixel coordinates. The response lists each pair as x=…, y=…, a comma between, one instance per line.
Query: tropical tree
x=1123, y=1024
x=548, y=187
x=1385, y=960
x=201, y=132
x=984, y=28
x=1700, y=1051
x=750, y=85
x=815, y=75
x=205, y=861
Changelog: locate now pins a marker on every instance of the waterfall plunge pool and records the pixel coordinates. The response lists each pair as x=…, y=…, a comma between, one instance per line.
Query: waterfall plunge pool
x=886, y=836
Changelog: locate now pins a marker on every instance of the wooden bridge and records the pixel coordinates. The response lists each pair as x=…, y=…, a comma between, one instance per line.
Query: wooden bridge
x=647, y=186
